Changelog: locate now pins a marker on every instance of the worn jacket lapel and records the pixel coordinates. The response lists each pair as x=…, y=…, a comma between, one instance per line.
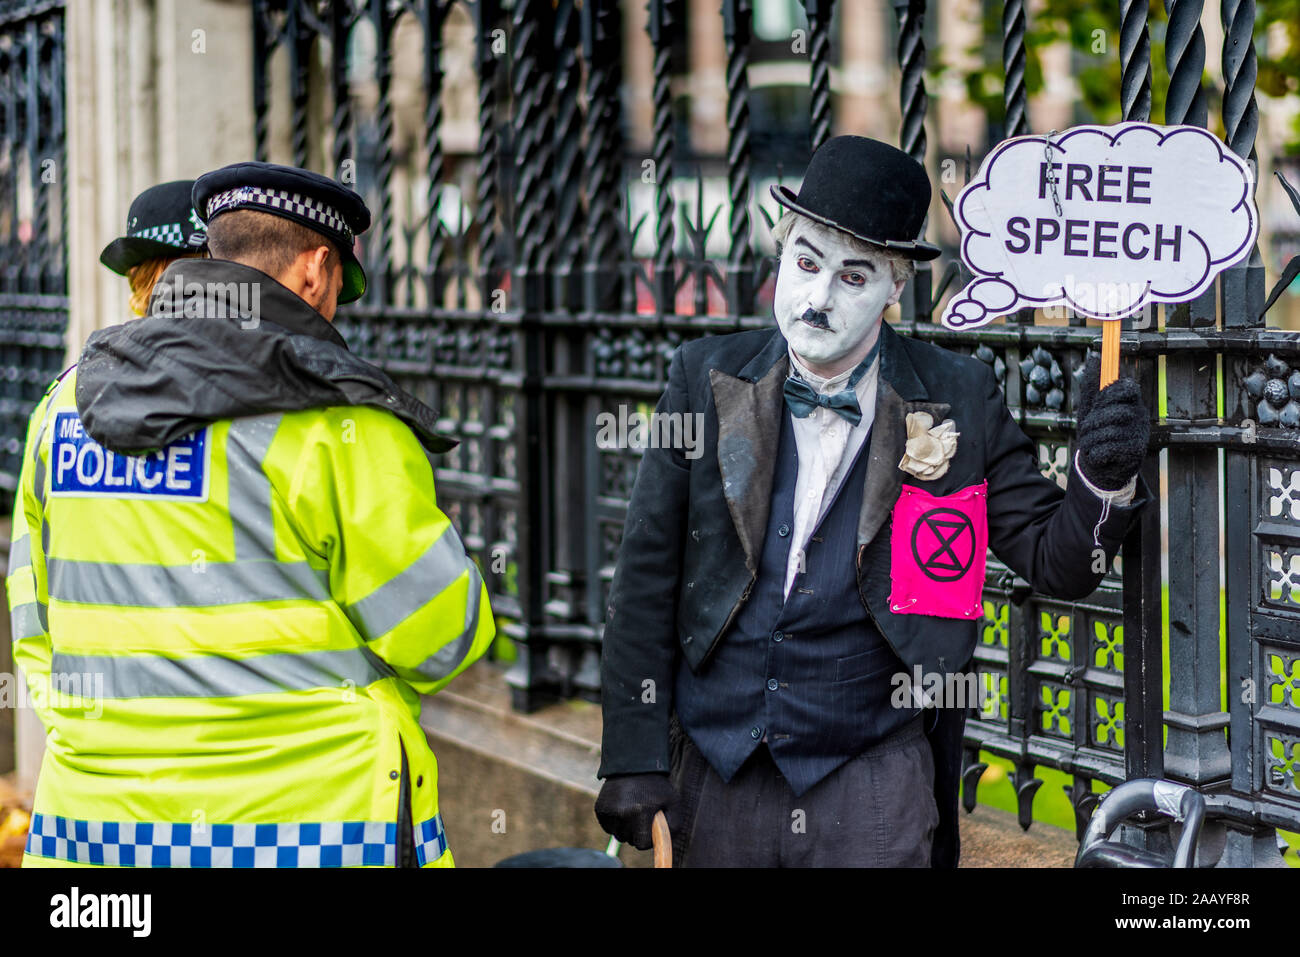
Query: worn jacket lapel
x=898, y=391
x=750, y=407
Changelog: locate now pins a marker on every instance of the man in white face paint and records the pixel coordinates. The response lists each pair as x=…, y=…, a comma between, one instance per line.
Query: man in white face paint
x=777, y=597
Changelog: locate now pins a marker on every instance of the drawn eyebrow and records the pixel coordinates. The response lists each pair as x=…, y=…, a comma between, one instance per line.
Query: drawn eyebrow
x=809, y=245
x=844, y=265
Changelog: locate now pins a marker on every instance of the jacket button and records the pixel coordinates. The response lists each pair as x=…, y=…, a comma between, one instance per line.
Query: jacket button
x=689, y=639
x=755, y=733
x=772, y=684
x=784, y=530
x=778, y=635
x=393, y=775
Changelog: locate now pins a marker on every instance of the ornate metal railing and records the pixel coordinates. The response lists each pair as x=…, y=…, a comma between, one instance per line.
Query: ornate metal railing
x=522, y=287
x=33, y=220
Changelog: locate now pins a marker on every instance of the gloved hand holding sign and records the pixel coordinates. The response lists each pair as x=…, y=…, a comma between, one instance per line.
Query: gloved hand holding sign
x=1113, y=429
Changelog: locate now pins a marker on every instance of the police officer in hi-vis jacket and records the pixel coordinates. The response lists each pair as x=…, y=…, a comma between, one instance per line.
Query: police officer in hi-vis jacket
x=226, y=526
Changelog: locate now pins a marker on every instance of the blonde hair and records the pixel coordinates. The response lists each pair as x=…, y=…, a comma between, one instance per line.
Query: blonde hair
x=900, y=267
x=143, y=276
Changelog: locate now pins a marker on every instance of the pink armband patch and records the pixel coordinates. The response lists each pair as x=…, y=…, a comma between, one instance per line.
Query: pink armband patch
x=938, y=547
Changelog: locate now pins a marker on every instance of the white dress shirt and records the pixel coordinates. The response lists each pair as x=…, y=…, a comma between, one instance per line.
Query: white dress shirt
x=826, y=446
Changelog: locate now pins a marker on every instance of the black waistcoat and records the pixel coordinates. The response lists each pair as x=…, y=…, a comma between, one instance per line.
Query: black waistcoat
x=810, y=673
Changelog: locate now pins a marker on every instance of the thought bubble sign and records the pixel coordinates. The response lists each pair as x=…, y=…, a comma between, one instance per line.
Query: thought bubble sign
x=1146, y=214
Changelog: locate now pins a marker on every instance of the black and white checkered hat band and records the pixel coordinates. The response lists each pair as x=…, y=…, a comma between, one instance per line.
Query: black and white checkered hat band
x=297, y=203
x=173, y=234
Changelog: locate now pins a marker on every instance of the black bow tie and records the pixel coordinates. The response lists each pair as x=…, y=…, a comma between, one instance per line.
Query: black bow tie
x=801, y=398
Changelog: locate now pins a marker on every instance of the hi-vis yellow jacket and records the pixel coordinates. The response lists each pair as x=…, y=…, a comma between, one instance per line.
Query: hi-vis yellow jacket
x=225, y=640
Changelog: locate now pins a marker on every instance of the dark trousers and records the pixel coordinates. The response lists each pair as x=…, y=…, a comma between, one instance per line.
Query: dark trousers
x=877, y=810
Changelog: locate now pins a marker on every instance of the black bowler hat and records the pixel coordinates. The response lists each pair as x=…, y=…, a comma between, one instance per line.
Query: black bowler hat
x=868, y=189
x=160, y=222
x=307, y=198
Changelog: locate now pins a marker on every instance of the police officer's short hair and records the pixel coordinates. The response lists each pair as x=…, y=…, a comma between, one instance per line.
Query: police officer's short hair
x=264, y=241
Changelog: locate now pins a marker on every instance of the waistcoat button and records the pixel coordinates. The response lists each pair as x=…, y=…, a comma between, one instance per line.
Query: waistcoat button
x=784, y=530
x=771, y=684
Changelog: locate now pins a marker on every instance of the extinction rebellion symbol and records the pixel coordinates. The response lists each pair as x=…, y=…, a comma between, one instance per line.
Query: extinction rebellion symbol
x=943, y=544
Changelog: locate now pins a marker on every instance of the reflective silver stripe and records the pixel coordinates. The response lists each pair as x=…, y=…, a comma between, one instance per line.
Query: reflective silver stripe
x=29, y=620
x=20, y=553
x=401, y=597
x=449, y=657
x=153, y=676
x=247, y=443
x=173, y=586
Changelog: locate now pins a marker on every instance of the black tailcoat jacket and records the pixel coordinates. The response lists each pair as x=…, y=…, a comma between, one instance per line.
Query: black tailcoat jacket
x=694, y=530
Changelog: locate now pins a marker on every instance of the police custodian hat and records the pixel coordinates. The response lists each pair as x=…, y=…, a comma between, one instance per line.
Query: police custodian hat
x=161, y=223
x=307, y=198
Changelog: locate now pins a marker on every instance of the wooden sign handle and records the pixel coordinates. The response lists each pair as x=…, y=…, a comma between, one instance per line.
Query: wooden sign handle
x=663, y=840
x=1109, y=352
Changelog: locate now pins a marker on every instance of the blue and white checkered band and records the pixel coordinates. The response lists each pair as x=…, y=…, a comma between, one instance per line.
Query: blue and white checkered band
x=137, y=844
x=313, y=209
x=173, y=234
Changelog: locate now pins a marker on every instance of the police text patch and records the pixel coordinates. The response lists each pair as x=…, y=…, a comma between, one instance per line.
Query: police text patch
x=81, y=467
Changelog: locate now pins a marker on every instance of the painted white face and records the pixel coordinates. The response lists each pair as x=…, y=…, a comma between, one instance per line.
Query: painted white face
x=829, y=296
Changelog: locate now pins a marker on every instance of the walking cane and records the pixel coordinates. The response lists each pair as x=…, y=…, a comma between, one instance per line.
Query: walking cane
x=659, y=834
x=663, y=841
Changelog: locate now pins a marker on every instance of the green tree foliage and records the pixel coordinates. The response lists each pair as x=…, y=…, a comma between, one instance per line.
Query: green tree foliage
x=1091, y=31
x=1279, y=62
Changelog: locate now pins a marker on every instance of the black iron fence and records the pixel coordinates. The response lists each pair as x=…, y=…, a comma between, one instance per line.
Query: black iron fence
x=33, y=220
x=523, y=282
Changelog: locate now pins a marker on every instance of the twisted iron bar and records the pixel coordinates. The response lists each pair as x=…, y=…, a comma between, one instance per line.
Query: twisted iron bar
x=1185, y=58
x=602, y=157
x=663, y=18
x=485, y=190
x=567, y=213
x=1013, y=67
x=911, y=59
x=263, y=44
x=299, y=66
x=1240, y=111
x=61, y=157
x=740, y=264
x=819, y=51
x=1135, y=60
x=341, y=17
x=384, y=131
x=40, y=103
x=532, y=88
x=435, y=11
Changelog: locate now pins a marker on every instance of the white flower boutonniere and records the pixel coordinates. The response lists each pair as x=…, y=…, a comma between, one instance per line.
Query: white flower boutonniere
x=929, y=446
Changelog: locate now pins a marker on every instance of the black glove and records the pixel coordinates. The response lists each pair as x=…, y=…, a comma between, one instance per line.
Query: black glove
x=1114, y=428
x=627, y=804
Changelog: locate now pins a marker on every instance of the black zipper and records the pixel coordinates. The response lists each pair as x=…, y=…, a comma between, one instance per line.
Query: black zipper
x=405, y=830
